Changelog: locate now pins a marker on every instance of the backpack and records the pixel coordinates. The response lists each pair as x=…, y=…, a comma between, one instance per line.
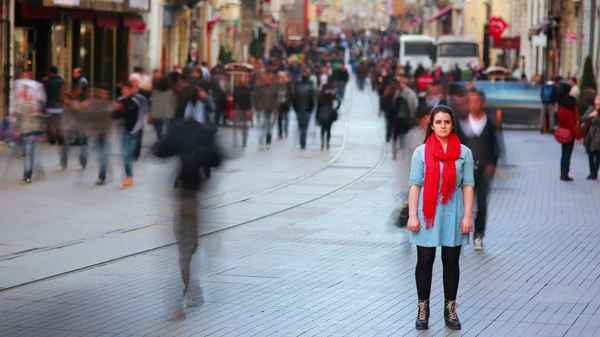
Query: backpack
x=547, y=93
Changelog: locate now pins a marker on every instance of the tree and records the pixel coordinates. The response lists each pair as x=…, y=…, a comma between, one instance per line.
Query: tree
x=587, y=78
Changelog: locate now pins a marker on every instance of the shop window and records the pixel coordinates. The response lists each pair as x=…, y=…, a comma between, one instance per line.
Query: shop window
x=86, y=50
x=24, y=50
x=108, y=63
x=59, y=53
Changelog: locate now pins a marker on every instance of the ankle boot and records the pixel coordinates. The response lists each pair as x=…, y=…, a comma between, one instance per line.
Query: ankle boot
x=564, y=175
x=450, y=316
x=422, y=322
x=592, y=176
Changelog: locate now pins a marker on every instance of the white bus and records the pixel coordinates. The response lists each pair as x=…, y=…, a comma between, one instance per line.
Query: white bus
x=457, y=49
x=417, y=49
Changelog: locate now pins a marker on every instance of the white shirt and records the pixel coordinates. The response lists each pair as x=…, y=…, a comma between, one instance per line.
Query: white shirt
x=323, y=78
x=575, y=92
x=477, y=126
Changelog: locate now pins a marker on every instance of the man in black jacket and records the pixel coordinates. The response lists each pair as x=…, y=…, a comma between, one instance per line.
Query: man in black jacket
x=477, y=133
x=341, y=78
x=304, y=103
x=195, y=145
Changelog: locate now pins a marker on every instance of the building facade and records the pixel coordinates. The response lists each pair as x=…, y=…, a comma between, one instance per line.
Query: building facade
x=72, y=34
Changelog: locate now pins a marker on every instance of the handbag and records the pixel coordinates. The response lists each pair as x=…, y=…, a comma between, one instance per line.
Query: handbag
x=402, y=219
x=585, y=127
x=563, y=135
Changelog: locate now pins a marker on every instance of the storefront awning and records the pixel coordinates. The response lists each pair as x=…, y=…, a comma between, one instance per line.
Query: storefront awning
x=39, y=13
x=134, y=23
x=107, y=21
x=439, y=14
x=82, y=14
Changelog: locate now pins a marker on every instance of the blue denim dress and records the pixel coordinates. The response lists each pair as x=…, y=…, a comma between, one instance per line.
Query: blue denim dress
x=446, y=230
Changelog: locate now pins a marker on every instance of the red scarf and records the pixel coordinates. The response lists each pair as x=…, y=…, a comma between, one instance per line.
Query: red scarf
x=434, y=154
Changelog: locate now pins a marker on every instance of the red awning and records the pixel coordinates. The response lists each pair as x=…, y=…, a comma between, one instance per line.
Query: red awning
x=439, y=14
x=132, y=21
x=81, y=14
x=135, y=23
x=39, y=13
x=507, y=43
x=107, y=21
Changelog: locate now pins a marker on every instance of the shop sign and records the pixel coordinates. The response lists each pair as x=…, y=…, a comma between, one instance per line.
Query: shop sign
x=139, y=4
x=69, y=3
x=168, y=16
x=571, y=37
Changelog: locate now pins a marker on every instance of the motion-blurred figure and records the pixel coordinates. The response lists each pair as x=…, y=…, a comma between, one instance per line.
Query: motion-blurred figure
x=29, y=126
x=99, y=125
x=128, y=109
x=304, y=103
x=477, y=132
x=195, y=145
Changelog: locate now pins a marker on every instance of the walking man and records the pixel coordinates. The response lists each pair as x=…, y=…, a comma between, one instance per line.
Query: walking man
x=478, y=134
x=304, y=103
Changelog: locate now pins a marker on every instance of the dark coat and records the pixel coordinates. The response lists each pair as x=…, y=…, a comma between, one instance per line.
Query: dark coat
x=195, y=145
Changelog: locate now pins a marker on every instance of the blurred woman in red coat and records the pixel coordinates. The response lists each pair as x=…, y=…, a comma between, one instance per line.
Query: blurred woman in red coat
x=566, y=133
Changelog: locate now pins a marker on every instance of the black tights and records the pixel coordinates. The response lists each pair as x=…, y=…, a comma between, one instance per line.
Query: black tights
x=424, y=271
x=325, y=134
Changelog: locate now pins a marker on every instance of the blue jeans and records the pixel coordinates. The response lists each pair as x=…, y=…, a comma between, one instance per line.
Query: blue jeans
x=303, y=120
x=103, y=152
x=29, y=143
x=266, y=125
x=128, y=142
x=361, y=84
x=341, y=89
x=159, y=125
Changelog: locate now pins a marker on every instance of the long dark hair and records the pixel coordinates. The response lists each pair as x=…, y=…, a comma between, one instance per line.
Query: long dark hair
x=192, y=94
x=436, y=110
x=162, y=84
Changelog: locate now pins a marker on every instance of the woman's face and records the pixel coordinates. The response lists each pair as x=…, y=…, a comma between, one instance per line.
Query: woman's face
x=597, y=100
x=442, y=124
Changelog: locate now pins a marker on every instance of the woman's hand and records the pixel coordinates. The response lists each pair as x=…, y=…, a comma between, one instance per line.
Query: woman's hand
x=466, y=224
x=413, y=224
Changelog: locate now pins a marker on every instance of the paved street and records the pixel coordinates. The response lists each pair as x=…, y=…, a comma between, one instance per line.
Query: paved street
x=310, y=251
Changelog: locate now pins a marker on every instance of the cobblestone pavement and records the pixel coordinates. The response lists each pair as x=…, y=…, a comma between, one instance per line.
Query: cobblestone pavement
x=335, y=266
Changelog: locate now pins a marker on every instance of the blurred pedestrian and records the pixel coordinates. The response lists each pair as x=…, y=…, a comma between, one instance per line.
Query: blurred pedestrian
x=285, y=94
x=99, y=128
x=328, y=105
x=592, y=137
x=566, y=134
x=29, y=126
x=304, y=104
x=441, y=193
x=195, y=145
x=127, y=109
x=242, y=108
x=478, y=133
x=265, y=103
x=164, y=104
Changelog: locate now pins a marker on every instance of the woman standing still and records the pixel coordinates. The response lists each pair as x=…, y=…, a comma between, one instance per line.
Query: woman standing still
x=592, y=138
x=440, y=210
x=567, y=119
